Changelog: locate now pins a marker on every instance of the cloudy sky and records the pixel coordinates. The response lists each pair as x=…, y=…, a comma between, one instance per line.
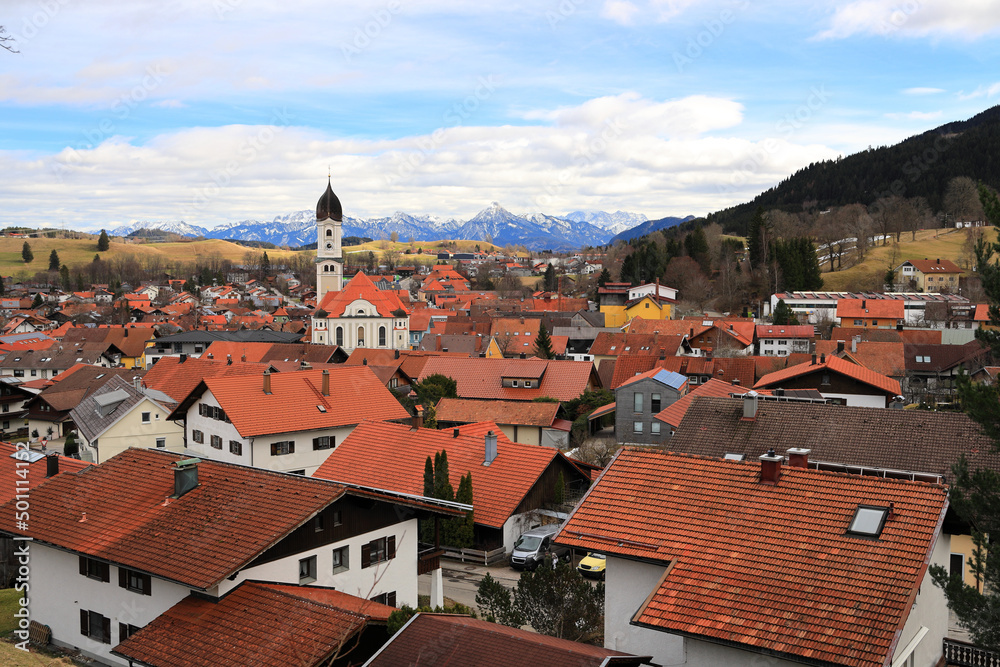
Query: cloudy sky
x=213, y=111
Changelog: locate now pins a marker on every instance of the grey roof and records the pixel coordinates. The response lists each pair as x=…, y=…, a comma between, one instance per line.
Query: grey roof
x=92, y=416
x=49, y=359
x=242, y=336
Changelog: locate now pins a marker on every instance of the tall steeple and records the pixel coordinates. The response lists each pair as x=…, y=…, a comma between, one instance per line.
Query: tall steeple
x=329, y=257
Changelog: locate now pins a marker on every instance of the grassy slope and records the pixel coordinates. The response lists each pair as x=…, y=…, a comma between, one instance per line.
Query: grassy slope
x=930, y=244
x=76, y=252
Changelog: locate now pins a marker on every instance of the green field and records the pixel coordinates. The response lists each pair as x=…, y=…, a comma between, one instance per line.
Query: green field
x=929, y=244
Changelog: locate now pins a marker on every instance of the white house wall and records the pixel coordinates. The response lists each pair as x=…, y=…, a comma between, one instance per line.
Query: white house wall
x=58, y=592
x=129, y=431
x=858, y=400
x=398, y=574
x=930, y=610
x=627, y=584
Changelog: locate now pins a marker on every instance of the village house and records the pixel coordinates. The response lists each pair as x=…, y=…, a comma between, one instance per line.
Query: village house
x=779, y=340
x=117, y=545
x=762, y=560
x=844, y=382
x=527, y=423
x=289, y=422
x=928, y=275
x=639, y=399
x=48, y=413
x=514, y=379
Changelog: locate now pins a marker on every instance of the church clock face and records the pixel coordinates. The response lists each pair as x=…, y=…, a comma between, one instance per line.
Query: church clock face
x=329, y=245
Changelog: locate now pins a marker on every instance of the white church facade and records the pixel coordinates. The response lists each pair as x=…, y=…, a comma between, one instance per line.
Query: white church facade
x=357, y=314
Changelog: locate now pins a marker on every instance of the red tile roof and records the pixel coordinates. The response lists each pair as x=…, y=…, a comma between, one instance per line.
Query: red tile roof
x=867, y=309
x=481, y=378
x=837, y=365
x=121, y=511
x=768, y=568
x=785, y=331
x=361, y=287
x=501, y=412
x=176, y=379
x=726, y=369
x=19, y=474
x=392, y=456
x=459, y=641
x=266, y=625
x=933, y=266
x=674, y=413
x=356, y=394
x=884, y=358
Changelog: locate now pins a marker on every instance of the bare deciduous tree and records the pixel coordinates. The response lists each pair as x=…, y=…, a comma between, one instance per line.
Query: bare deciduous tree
x=7, y=40
x=961, y=200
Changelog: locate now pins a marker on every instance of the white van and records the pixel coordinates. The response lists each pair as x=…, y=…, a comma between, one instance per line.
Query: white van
x=535, y=546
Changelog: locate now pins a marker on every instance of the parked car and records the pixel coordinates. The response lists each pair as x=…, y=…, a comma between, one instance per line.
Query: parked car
x=592, y=565
x=535, y=546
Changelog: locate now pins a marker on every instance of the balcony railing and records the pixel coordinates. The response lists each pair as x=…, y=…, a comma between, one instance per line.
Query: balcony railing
x=963, y=654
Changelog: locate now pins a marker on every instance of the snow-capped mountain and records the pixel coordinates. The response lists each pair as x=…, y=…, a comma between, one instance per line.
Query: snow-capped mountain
x=615, y=223
x=536, y=231
x=172, y=227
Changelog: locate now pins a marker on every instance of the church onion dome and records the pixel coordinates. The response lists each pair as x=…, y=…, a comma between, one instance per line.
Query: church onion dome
x=328, y=206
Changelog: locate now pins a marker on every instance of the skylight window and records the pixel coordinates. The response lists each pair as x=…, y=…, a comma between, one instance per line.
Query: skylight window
x=734, y=457
x=868, y=521
x=321, y=408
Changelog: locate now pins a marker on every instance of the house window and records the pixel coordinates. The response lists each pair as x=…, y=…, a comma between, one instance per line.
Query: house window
x=341, y=561
x=361, y=334
x=137, y=582
x=654, y=427
x=637, y=402
x=307, y=570
x=386, y=598
x=527, y=384
x=637, y=427
x=340, y=336
x=126, y=630
x=95, y=569
x=514, y=383
x=381, y=336
x=377, y=551
x=147, y=417
x=329, y=232
x=197, y=436
x=282, y=448
x=161, y=443
x=858, y=323
x=96, y=626
x=216, y=442
x=654, y=403
x=956, y=564
x=324, y=442
x=393, y=383
x=337, y=518
x=34, y=373
x=236, y=447
x=19, y=372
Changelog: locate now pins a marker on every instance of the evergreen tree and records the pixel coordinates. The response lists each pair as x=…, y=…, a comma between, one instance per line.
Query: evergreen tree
x=543, y=344
x=265, y=267
x=604, y=278
x=462, y=529
x=757, y=234
x=560, y=490
x=561, y=603
x=494, y=601
x=53, y=260
x=37, y=301
x=71, y=447
x=549, y=283
x=696, y=247
x=3, y=286
x=428, y=478
x=64, y=277
x=442, y=483
x=103, y=243
x=26, y=253
x=433, y=388
x=783, y=315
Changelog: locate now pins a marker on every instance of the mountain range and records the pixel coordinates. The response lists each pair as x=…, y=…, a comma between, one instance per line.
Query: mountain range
x=536, y=231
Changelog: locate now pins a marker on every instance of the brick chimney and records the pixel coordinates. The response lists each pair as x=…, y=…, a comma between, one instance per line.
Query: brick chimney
x=491, y=448
x=798, y=457
x=840, y=346
x=326, y=382
x=418, y=418
x=267, y=382
x=822, y=358
x=814, y=360
x=770, y=468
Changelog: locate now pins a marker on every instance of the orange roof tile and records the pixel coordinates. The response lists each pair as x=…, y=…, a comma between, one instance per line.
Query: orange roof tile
x=501, y=412
x=241, y=629
x=867, y=309
x=176, y=379
x=768, y=568
x=355, y=395
x=884, y=358
x=17, y=467
x=361, y=287
x=674, y=413
x=392, y=456
x=934, y=266
x=837, y=365
x=482, y=378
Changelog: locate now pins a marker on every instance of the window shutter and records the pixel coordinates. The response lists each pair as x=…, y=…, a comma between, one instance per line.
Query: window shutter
x=105, y=629
x=84, y=622
x=122, y=632
x=123, y=577
x=390, y=547
x=291, y=446
x=105, y=572
x=147, y=584
x=390, y=599
x=366, y=555
x=83, y=565
x=274, y=449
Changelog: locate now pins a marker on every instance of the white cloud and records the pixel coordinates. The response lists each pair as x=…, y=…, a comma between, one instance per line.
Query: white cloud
x=923, y=91
x=168, y=104
x=963, y=19
x=915, y=115
x=619, y=11
x=987, y=91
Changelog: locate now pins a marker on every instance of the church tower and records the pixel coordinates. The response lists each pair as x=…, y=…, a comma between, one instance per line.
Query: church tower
x=329, y=257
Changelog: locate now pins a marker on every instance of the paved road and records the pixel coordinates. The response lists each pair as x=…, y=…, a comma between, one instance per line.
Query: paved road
x=461, y=580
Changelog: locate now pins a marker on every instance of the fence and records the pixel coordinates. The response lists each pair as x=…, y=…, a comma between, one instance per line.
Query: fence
x=963, y=654
x=476, y=555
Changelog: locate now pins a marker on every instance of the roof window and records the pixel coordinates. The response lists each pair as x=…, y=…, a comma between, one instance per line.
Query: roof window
x=868, y=521
x=734, y=457
x=321, y=408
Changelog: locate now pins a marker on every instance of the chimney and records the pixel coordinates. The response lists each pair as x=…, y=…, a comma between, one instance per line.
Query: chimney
x=899, y=326
x=137, y=383
x=822, y=358
x=396, y=355
x=326, y=382
x=183, y=358
x=854, y=343
x=770, y=468
x=750, y=405
x=418, y=418
x=185, y=476
x=52, y=465
x=840, y=346
x=267, y=382
x=813, y=360
x=211, y=356
x=735, y=382
x=663, y=354
x=798, y=457
x=491, y=448
x=864, y=303
x=454, y=432
x=937, y=261
x=364, y=362
x=229, y=360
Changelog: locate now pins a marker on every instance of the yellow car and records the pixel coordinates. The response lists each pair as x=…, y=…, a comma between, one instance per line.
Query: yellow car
x=592, y=565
